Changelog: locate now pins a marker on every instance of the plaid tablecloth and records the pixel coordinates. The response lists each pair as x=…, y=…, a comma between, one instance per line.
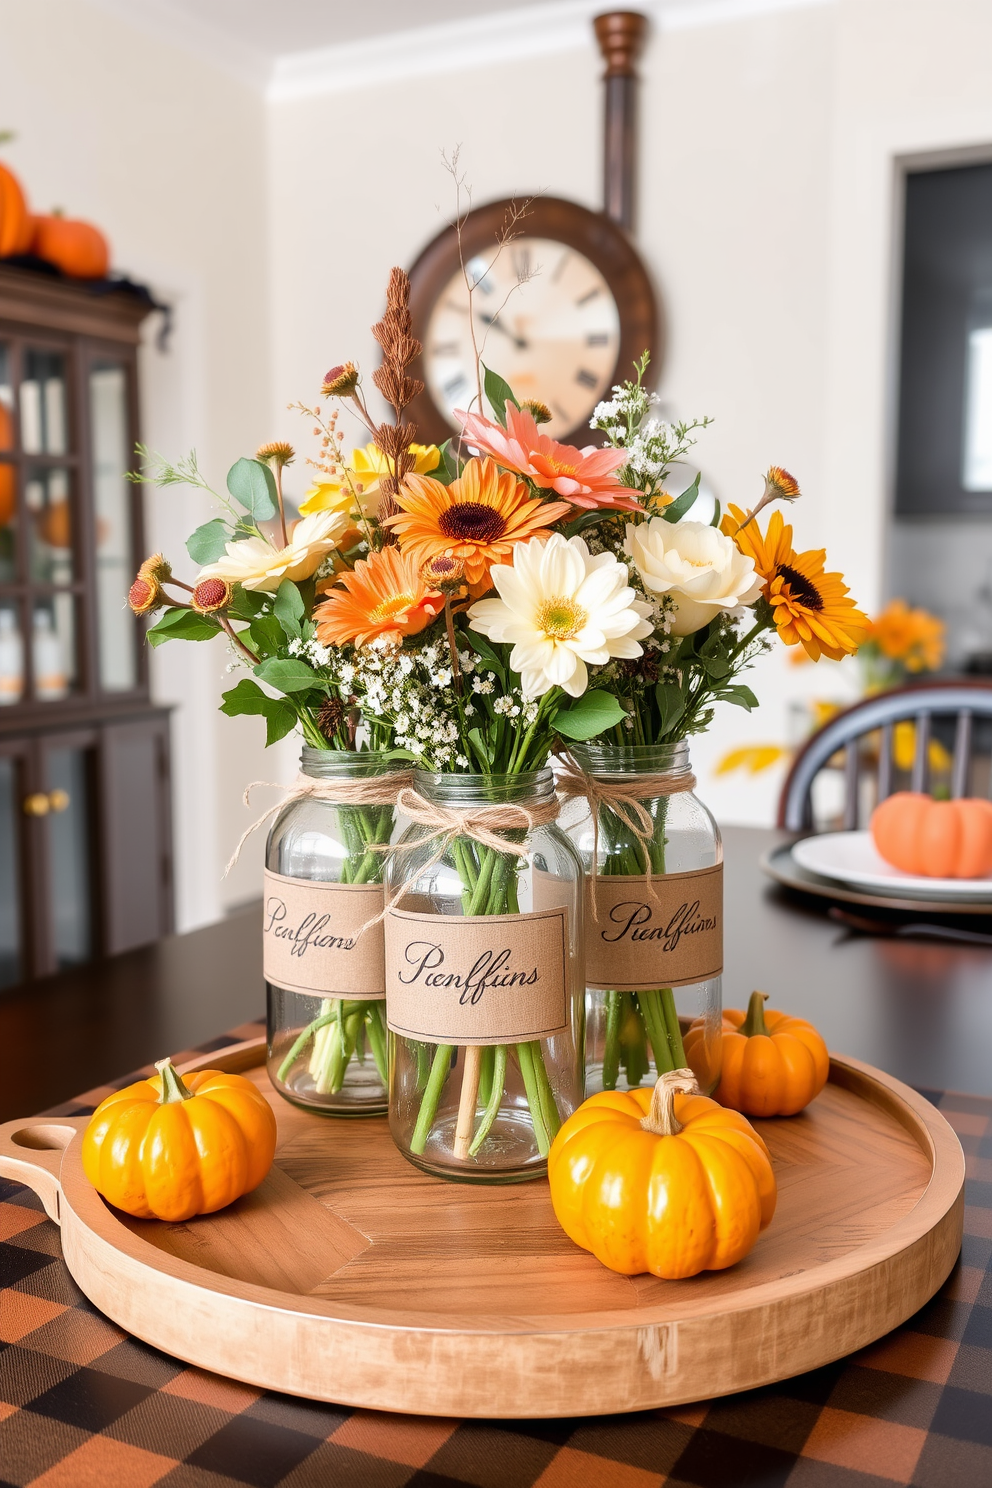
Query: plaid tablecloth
x=83, y=1405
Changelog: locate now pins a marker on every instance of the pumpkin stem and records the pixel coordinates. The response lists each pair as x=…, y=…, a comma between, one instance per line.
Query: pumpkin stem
x=173, y=1088
x=755, y=1020
x=661, y=1117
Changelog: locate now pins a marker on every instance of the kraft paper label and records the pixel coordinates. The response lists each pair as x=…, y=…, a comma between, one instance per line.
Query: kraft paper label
x=477, y=979
x=665, y=935
x=312, y=939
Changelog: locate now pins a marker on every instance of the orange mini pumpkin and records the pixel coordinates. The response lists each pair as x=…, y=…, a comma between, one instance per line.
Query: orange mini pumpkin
x=661, y=1180
x=168, y=1148
x=934, y=839
x=77, y=248
x=773, y=1064
x=15, y=219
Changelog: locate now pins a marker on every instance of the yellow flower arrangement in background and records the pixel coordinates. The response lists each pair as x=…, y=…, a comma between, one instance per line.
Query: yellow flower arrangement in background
x=912, y=638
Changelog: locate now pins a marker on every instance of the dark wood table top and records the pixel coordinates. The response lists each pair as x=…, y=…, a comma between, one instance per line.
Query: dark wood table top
x=922, y=1010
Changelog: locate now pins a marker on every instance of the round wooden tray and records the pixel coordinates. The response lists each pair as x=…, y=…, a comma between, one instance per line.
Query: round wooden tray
x=780, y=865
x=352, y=1277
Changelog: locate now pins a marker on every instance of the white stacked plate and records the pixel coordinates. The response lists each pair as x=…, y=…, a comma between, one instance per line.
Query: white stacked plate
x=852, y=858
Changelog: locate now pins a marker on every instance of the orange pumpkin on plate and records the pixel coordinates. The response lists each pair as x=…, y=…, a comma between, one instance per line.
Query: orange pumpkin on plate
x=77, y=248
x=15, y=219
x=934, y=839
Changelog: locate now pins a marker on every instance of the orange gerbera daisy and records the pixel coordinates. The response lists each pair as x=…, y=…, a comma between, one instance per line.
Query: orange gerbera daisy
x=383, y=595
x=811, y=608
x=476, y=520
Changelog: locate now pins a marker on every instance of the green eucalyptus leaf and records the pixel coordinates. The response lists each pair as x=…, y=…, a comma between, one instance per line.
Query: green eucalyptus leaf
x=289, y=608
x=682, y=504
x=591, y=714
x=208, y=542
x=286, y=675
x=253, y=486
x=182, y=625
x=498, y=393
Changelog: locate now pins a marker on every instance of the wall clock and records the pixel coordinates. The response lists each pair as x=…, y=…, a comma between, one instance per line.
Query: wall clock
x=561, y=312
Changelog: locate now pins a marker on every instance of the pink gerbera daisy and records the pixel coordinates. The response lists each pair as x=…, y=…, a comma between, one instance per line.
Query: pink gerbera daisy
x=584, y=477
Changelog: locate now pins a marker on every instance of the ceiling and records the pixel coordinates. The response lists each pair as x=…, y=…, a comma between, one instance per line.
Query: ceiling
x=304, y=25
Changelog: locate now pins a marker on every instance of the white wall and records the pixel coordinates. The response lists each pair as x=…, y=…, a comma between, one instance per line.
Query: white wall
x=167, y=154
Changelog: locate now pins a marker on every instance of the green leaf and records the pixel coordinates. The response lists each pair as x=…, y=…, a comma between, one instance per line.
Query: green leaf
x=247, y=604
x=738, y=696
x=207, y=543
x=591, y=714
x=475, y=737
x=253, y=486
x=248, y=697
x=286, y=675
x=717, y=667
x=447, y=470
x=498, y=394
x=715, y=519
x=587, y=519
x=485, y=652
x=182, y=625
x=288, y=608
x=671, y=705
x=266, y=635
x=681, y=504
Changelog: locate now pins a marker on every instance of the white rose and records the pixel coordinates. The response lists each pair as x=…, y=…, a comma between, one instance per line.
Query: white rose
x=699, y=566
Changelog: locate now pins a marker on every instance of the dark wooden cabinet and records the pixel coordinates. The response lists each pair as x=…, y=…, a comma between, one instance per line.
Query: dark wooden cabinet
x=85, y=852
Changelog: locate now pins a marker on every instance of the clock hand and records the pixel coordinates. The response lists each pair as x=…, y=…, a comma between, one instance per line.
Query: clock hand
x=497, y=325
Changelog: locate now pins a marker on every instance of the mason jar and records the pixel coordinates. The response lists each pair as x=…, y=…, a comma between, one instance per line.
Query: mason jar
x=654, y=919
x=485, y=989
x=323, y=960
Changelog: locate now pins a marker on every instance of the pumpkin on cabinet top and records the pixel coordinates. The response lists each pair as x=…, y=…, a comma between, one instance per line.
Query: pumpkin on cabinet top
x=169, y=1148
x=15, y=219
x=934, y=839
x=661, y=1180
x=773, y=1064
x=77, y=248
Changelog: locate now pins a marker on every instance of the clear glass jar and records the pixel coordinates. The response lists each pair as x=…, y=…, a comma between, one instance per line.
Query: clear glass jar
x=325, y=977
x=485, y=1014
x=654, y=943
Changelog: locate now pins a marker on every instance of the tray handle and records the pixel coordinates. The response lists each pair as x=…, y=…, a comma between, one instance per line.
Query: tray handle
x=31, y=1153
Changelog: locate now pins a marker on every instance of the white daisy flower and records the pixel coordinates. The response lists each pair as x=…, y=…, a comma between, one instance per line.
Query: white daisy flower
x=561, y=608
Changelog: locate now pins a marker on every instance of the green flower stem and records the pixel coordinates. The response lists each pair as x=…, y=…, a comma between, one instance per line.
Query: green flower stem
x=497, y=1083
x=375, y=1027
x=654, y=1022
x=432, y=1096
x=634, y=1043
x=525, y=1059
x=611, y=1053
x=486, y=1074
x=674, y=1032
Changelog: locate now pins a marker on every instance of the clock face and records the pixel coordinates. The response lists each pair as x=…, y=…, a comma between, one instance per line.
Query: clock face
x=544, y=319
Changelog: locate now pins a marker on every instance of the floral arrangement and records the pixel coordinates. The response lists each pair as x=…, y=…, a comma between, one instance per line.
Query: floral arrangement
x=901, y=642
x=476, y=607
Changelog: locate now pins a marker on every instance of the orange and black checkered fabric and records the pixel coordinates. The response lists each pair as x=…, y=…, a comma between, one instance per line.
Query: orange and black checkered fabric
x=83, y=1405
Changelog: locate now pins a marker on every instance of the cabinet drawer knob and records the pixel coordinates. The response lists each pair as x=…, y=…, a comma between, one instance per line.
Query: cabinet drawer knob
x=59, y=800
x=37, y=804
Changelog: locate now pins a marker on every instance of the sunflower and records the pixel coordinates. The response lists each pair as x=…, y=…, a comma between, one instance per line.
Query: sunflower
x=382, y=596
x=476, y=520
x=810, y=608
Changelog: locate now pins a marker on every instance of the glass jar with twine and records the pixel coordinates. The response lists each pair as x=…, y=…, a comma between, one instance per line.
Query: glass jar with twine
x=654, y=913
x=323, y=953
x=485, y=991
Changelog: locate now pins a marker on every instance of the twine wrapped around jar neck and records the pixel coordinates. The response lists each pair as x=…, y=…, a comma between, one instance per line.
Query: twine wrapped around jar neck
x=625, y=799
x=371, y=790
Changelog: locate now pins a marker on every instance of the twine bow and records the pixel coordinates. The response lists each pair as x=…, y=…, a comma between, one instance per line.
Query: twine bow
x=374, y=790
x=482, y=824
x=625, y=799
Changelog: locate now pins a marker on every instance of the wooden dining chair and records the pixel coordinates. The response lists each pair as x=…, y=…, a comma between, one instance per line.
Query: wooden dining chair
x=963, y=700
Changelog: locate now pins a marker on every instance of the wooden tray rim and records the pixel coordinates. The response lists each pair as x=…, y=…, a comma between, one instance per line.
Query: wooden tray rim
x=934, y=1136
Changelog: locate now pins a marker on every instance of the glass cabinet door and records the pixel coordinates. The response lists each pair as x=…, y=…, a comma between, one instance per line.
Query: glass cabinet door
x=70, y=851
x=112, y=500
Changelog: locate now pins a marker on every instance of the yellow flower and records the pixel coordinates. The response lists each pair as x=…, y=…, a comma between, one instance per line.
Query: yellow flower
x=356, y=490
x=811, y=608
x=913, y=637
